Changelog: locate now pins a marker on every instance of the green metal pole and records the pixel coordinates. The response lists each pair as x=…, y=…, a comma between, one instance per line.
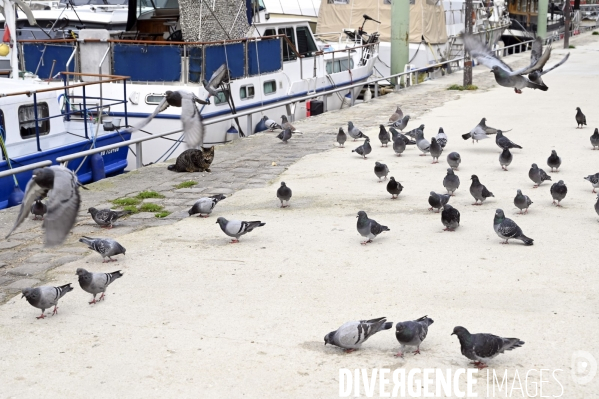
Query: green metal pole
x=542, y=19
x=400, y=33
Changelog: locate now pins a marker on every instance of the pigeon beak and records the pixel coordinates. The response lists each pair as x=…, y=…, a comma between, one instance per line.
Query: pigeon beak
x=23, y=296
x=452, y=334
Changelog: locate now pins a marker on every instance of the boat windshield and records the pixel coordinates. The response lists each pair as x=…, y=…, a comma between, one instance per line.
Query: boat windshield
x=95, y=2
x=158, y=4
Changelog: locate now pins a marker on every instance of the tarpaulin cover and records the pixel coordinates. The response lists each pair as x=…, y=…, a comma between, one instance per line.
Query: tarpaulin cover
x=234, y=59
x=60, y=53
x=264, y=56
x=148, y=63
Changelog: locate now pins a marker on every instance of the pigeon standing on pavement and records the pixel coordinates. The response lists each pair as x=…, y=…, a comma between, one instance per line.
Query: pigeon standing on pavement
x=595, y=138
x=580, y=118
x=508, y=229
x=412, y=333
x=395, y=134
x=96, y=283
x=351, y=335
x=558, y=192
x=341, y=138
x=237, y=228
x=369, y=228
x=38, y=209
x=435, y=150
x=399, y=146
x=503, y=142
x=522, y=202
x=480, y=131
x=354, y=132
x=384, y=136
x=401, y=123
x=450, y=217
x=479, y=191
x=422, y=143
x=272, y=125
x=594, y=180
x=205, y=205
x=106, y=247
x=554, y=161
x=597, y=206
x=394, y=187
x=451, y=182
x=364, y=149
x=505, y=158
x=285, y=124
x=454, y=160
x=45, y=297
x=414, y=132
x=537, y=175
x=285, y=135
x=381, y=170
x=397, y=115
x=441, y=137
x=480, y=348
x=436, y=201
x=106, y=217
x=284, y=195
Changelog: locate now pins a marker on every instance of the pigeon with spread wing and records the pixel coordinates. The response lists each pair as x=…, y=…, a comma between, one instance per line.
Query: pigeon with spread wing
x=535, y=55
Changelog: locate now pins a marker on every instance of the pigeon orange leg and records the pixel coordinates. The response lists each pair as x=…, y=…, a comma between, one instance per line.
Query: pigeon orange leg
x=417, y=351
x=101, y=297
x=234, y=241
x=399, y=354
x=55, y=311
x=349, y=350
x=366, y=242
x=42, y=316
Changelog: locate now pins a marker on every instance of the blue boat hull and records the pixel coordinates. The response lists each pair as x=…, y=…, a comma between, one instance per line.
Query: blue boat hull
x=115, y=162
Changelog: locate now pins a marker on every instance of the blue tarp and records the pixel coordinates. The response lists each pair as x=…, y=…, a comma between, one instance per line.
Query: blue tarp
x=234, y=58
x=148, y=63
x=264, y=56
x=34, y=52
x=195, y=64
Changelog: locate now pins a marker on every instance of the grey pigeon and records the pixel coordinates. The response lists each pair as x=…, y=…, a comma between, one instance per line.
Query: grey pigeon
x=522, y=202
x=479, y=191
x=237, y=228
x=218, y=77
x=364, y=149
x=205, y=205
x=580, y=118
x=508, y=229
x=480, y=131
x=38, y=209
x=435, y=150
x=436, y=201
x=402, y=123
x=414, y=132
x=394, y=188
x=558, y=192
x=106, y=247
x=441, y=137
x=503, y=142
x=454, y=159
x=351, y=335
x=384, y=136
x=61, y=186
x=480, y=348
x=285, y=135
x=451, y=182
x=396, y=116
x=537, y=175
x=272, y=125
x=399, y=146
x=354, y=132
x=94, y=283
x=505, y=158
x=284, y=195
x=422, y=143
x=594, y=180
x=595, y=138
x=412, y=333
x=106, y=217
x=504, y=75
x=285, y=124
x=597, y=206
x=535, y=55
x=369, y=228
x=341, y=137
x=45, y=297
x=395, y=134
x=381, y=170
x=554, y=161
x=450, y=217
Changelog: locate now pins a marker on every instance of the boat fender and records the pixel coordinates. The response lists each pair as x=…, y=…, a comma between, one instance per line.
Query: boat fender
x=97, y=166
x=16, y=197
x=308, y=106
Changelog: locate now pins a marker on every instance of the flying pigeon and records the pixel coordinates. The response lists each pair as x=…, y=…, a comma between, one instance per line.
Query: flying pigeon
x=451, y=182
x=412, y=333
x=272, y=125
x=435, y=149
x=381, y=170
x=580, y=118
x=106, y=247
x=535, y=54
x=504, y=75
x=436, y=201
x=285, y=124
x=414, y=132
x=522, y=202
x=505, y=158
x=364, y=149
x=205, y=205
x=537, y=175
x=480, y=348
x=481, y=131
x=554, y=161
x=237, y=228
x=441, y=137
x=220, y=76
x=394, y=188
x=422, y=143
x=285, y=135
x=354, y=132
x=401, y=123
x=503, y=142
x=193, y=127
x=284, y=195
x=61, y=186
x=369, y=228
x=454, y=160
x=450, y=217
x=38, y=209
x=594, y=180
x=479, y=191
x=341, y=138
x=508, y=229
x=353, y=334
x=94, y=283
x=595, y=138
x=397, y=115
x=106, y=217
x=558, y=192
x=384, y=136
x=45, y=297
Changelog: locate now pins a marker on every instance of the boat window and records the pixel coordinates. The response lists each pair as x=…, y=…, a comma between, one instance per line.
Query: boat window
x=154, y=98
x=246, y=92
x=288, y=53
x=339, y=65
x=270, y=32
x=27, y=120
x=305, y=42
x=220, y=98
x=270, y=87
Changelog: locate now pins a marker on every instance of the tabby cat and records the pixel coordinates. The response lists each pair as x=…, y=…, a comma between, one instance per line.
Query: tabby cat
x=193, y=160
